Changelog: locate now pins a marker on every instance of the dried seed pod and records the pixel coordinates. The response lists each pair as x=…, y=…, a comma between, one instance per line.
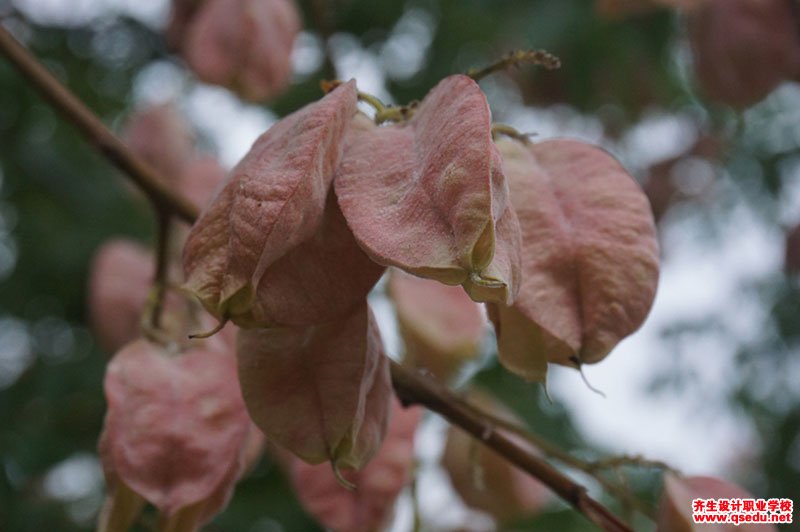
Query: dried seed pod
x=486, y=480
x=743, y=48
x=426, y=195
x=378, y=484
x=323, y=278
x=590, y=256
x=175, y=428
x=244, y=45
x=676, y=506
x=441, y=326
x=322, y=392
x=161, y=137
x=274, y=201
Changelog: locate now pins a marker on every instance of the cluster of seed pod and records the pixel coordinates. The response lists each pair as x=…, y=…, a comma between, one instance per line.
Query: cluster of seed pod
x=555, y=238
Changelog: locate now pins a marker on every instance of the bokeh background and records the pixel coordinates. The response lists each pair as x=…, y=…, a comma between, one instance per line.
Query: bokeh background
x=710, y=384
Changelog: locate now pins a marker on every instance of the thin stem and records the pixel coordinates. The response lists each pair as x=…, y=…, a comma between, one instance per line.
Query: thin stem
x=511, y=132
x=94, y=130
x=590, y=468
x=160, y=280
x=410, y=387
x=628, y=460
x=515, y=58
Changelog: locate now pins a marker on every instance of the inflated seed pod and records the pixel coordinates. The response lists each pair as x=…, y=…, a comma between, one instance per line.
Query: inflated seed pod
x=428, y=195
x=589, y=257
x=274, y=201
x=322, y=392
x=174, y=434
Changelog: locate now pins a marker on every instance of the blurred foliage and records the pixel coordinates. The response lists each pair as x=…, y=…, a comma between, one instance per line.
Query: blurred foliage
x=59, y=200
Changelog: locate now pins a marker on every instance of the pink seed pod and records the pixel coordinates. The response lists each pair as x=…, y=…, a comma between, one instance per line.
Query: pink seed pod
x=590, y=257
x=273, y=201
x=743, y=48
x=441, y=326
x=321, y=279
x=245, y=45
x=321, y=392
x=175, y=430
x=486, y=480
x=160, y=136
x=199, y=179
x=369, y=506
x=427, y=195
x=677, y=505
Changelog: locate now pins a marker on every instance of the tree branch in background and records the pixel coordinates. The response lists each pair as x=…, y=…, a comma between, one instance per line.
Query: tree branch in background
x=94, y=130
x=516, y=58
x=410, y=387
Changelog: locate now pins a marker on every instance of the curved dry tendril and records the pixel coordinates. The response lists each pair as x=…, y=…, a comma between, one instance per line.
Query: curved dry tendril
x=386, y=113
x=517, y=58
x=511, y=132
x=212, y=332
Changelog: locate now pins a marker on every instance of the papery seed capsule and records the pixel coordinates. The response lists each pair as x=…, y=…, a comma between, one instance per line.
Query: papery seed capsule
x=428, y=196
x=590, y=256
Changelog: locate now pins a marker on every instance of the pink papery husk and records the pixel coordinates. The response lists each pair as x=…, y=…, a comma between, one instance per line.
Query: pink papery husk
x=429, y=196
x=743, y=49
x=590, y=257
x=273, y=225
x=441, y=327
x=369, y=506
x=244, y=45
x=321, y=392
x=175, y=429
x=486, y=480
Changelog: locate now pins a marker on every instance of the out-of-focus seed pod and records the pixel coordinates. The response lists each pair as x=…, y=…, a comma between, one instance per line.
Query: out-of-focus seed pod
x=441, y=326
x=245, y=45
x=322, y=392
x=199, y=179
x=676, y=506
x=160, y=136
x=590, y=256
x=119, y=281
x=175, y=430
x=369, y=506
x=274, y=201
x=743, y=48
x=486, y=480
x=428, y=195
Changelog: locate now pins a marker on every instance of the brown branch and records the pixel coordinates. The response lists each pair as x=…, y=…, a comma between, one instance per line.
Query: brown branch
x=516, y=58
x=589, y=468
x=410, y=387
x=94, y=130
